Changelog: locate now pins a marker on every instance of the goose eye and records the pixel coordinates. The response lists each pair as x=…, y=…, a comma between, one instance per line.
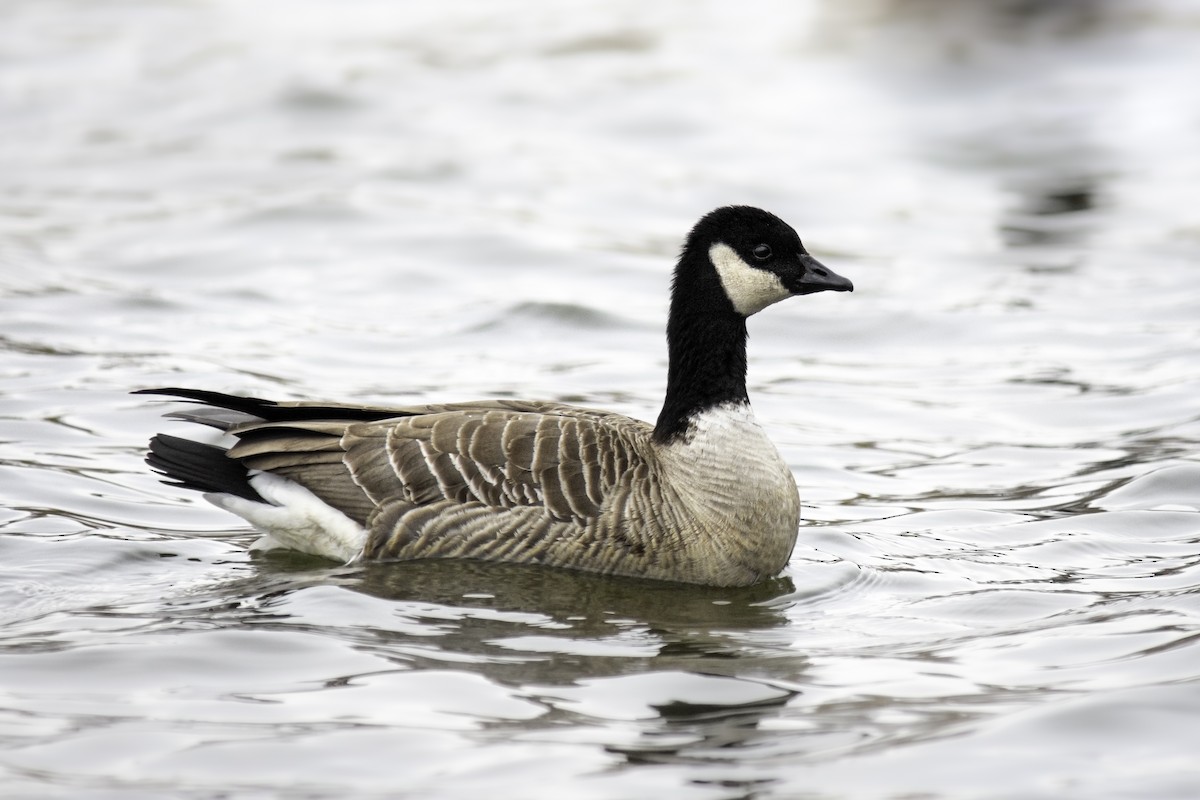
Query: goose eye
x=762, y=252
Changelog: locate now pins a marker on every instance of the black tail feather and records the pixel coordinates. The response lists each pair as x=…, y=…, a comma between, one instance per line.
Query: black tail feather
x=270, y=411
x=203, y=467
x=208, y=468
x=248, y=405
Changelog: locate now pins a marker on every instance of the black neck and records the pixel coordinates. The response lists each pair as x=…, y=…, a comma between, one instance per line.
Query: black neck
x=706, y=343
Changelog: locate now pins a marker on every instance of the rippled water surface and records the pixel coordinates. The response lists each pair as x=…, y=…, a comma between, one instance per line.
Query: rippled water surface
x=996, y=592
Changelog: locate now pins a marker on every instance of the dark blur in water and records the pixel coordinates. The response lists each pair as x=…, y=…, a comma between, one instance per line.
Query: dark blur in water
x=997, y=588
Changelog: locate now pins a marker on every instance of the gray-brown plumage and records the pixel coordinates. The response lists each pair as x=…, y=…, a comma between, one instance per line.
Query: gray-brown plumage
x=701, y=497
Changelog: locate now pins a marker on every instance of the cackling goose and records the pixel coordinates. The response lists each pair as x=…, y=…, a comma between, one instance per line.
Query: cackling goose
x=700, y=497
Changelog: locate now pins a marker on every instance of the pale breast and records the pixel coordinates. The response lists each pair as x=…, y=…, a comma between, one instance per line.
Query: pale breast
x=732, y=477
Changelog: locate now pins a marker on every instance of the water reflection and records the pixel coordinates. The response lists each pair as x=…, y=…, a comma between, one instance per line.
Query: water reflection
x=594, y=650
x=956, y=25
x=520, y=624
x=1016, y=65
x=587, y=603
x=708, y=728
x=1048, y=214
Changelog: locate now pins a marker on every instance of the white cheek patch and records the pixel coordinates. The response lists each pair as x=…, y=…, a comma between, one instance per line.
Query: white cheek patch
x=749, y=289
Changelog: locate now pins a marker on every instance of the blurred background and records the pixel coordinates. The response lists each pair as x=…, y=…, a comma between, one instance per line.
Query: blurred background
x=996, y=592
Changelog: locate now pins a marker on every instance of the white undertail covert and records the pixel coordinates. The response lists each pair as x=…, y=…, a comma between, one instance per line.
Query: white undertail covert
x=296, y=518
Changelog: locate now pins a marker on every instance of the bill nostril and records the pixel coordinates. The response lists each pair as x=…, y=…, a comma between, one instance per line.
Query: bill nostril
x=821, y=272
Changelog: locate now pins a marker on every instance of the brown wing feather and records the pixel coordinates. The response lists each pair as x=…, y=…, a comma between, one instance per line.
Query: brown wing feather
x=500, y=455
x=499, y=458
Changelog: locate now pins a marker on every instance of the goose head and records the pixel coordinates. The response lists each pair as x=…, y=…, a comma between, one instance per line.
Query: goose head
x=735, y=262
x=757, y=258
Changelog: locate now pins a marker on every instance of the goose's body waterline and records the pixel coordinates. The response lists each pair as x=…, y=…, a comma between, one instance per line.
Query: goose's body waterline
x=700, y=497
